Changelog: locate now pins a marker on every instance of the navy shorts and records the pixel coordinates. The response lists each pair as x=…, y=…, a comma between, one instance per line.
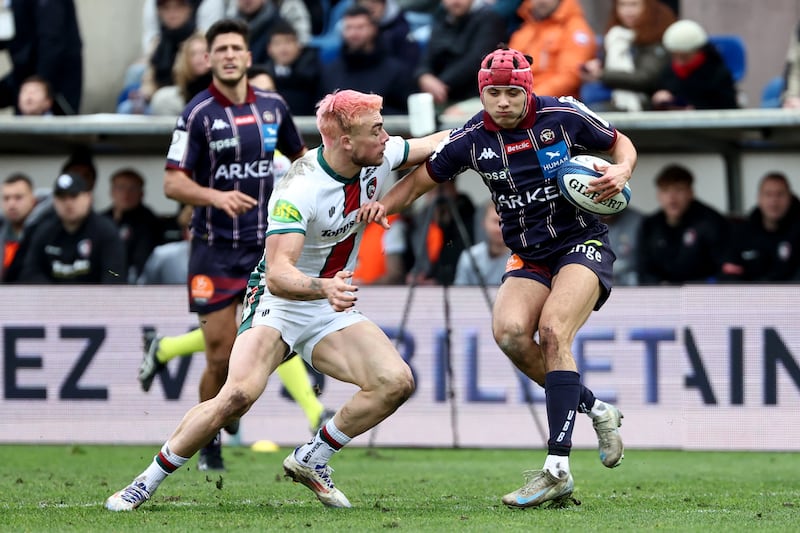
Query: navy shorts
x=218, y=274
x=590, y=250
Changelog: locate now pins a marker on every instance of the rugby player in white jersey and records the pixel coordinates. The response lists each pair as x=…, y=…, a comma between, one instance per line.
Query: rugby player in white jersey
x=300, y=297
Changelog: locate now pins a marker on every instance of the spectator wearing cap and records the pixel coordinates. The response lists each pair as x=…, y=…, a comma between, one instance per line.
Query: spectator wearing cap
x=78, y=245
x=81, y=162
x=685, y=240
x=697, y=76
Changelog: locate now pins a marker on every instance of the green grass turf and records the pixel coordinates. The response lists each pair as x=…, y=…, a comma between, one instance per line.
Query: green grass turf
x=62, y=488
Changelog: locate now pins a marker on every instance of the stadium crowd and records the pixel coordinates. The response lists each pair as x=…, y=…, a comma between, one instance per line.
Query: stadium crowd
x=646, y=59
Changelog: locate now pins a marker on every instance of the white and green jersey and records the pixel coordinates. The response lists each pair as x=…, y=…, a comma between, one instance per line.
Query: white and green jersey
x=314, y=200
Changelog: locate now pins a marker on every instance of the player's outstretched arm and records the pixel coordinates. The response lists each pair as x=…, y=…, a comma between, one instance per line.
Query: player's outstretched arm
x=421, y=148
x=401, y=195
x=616, y=175
x=286, y=281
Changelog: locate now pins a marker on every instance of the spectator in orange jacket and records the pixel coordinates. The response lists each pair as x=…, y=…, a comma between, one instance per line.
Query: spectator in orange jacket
x=558, y=38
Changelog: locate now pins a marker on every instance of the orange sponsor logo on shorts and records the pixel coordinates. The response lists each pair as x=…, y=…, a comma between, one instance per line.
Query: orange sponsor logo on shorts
x=513, y=263
x=202, y=288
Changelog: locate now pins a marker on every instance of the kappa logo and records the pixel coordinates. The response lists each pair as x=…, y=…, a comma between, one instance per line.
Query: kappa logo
x=219, y=124
x=488, y=153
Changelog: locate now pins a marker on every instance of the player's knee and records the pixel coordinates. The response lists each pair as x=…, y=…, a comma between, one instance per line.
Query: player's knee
x=398, y=386
x=235, y=403
x=511, y=338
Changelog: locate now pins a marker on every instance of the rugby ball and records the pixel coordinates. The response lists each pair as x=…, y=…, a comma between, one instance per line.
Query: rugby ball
x=573, y=179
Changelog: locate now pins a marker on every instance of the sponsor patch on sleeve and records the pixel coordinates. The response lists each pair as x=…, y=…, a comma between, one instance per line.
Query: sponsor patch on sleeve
x=177, y=148
x=285, y=211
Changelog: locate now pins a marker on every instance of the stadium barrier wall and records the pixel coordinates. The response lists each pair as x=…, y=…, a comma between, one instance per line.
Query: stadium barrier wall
x=698, y=367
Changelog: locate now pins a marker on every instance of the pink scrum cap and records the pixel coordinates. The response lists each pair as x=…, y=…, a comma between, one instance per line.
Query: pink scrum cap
x=506, y=67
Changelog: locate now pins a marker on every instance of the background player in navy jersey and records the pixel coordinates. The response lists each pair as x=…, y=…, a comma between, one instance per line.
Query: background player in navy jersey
x=221, y=161
x=300, y=297
x=561, y=263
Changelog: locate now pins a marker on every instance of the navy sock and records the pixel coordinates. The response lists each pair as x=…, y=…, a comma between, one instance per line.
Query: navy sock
x=562, y=389
x=587, y=400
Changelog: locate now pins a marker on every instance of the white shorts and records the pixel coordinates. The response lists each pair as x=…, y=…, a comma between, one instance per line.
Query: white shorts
x=302, y=324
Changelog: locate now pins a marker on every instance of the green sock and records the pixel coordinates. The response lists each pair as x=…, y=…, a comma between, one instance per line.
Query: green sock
x=180, y=345
x=294, y=375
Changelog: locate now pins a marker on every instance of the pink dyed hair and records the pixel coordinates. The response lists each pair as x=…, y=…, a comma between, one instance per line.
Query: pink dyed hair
x=340, y=111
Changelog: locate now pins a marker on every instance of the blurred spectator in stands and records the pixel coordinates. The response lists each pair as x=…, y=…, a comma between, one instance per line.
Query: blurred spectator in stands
x=623, y=232
x=765, y=247
x=685, y=240
x=790, y=99
x=463, y=31
x=489, y=257
x=394, y=30
x=364, y=65
x=295, y=69
x=168, y=264
x=436, y=258
x=191, y=73
x=634, y=56
x=139, y=228
x=697, y=77
x=382, y=254
x=35, y=97
x=76, y=246
x=259, y=78
x=262, y=16
x=22, y=210
x=420, y=6
x=176, y=24
x=81, y=162
x=207, y=12
x=557, y=36
x=44, y=41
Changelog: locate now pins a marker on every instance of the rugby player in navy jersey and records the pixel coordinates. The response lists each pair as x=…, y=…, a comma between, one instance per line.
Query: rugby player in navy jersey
x=561, y=264
x=221, y=161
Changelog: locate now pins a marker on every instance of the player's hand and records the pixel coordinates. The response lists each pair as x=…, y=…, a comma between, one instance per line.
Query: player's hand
x=339, y=291
x=234, y=203
x=611, y=182
x=373, y=212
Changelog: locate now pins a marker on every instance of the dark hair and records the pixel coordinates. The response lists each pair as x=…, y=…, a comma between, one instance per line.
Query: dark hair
x=674, y=175
x=357, y=10
x=129, y=172
x=227, y=26
x=257, y=70
x=16, y=177
x=282, y=27
x=81, y=156
x=775, y=176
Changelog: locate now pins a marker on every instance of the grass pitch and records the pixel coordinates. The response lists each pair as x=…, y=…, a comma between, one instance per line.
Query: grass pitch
x=62, y=488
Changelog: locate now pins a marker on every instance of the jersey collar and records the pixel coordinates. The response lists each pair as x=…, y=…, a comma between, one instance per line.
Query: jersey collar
x=223, y=100
x=328, y=170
